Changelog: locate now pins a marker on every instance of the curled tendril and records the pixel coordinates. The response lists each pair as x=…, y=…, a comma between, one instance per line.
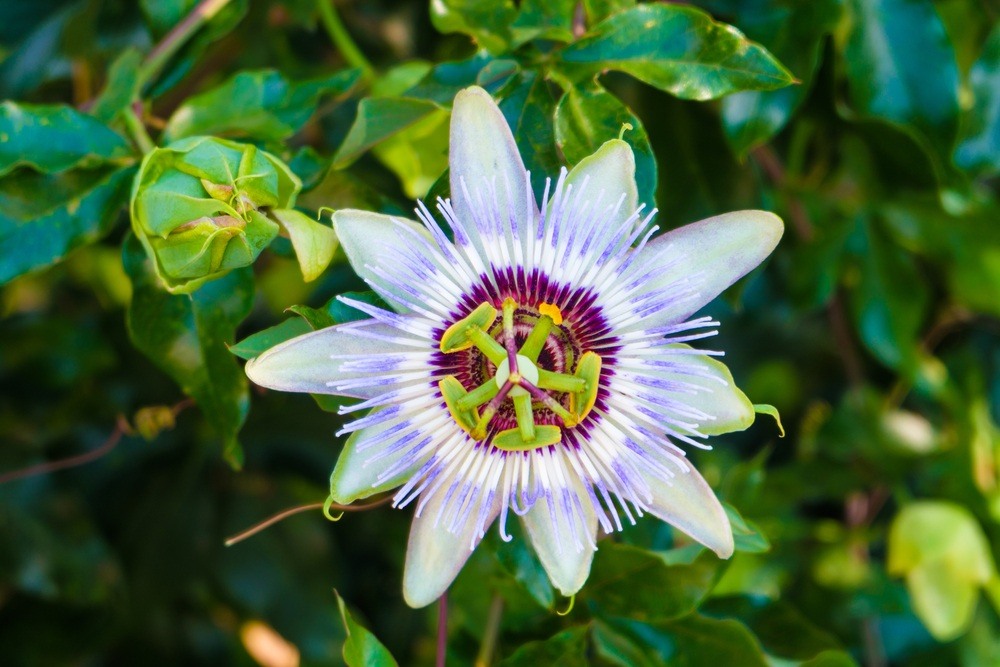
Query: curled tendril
x=569, y=607
x=326, y=510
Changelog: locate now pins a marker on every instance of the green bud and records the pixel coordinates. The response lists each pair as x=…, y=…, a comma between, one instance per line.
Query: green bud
x=201, y=207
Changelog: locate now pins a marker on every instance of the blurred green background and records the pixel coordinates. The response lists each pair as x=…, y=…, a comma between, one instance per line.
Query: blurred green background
x=871, y=527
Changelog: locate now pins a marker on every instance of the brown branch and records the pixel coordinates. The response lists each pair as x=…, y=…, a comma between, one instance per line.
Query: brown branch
x=121, y=427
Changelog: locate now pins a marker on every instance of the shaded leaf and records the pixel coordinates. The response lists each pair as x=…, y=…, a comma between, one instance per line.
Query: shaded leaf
x=978, y=151
x=271, y=108
x=529, y=108
x=544, y=19
x=901, y=67
x=793, y=32
x=566, y=649
x=891, y=301
x=186, y=336
x=362, y=648
x=121, y=88
x=42, y=218
x=680, y=50
x=53, y=138
x=628, y=581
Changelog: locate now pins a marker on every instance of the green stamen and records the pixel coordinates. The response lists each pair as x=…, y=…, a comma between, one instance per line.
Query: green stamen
x=456, y=337
x=525, y=418
x=588, y=368
x=453, y=392
x=493, y=350
x=511, y=440
x=533, y=345
x=479, y=395
x=560, y=381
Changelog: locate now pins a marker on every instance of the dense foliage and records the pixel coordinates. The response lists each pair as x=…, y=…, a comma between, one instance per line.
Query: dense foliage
x=132, y=445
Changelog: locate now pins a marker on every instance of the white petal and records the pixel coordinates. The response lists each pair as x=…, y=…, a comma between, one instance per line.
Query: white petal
x=557, y=545
x=688, y=503
x=711, y=254
x=304, y=363
x=483, y=154
x=434, y=556
x=717, y=394
x=372, y=240
x=356, y=475
x=610, y=169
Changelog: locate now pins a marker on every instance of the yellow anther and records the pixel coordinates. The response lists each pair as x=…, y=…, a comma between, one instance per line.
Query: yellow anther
x=552, y=311
x=588, y=368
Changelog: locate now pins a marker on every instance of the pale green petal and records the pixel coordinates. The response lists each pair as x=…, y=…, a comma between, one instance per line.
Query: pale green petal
x=689, y=504
x=373, y=239
x=304, y=363
x=434, y=556
x=556, y=546
x=483, y=153
x=711, y=254
x=720, y=397
x=356, y=474
x=611, y=170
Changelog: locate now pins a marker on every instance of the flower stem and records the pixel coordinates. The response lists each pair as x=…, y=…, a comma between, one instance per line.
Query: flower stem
x=176, y=38
x=442, y=638
x=491, y=632
x=338, y=33
x=136, y=129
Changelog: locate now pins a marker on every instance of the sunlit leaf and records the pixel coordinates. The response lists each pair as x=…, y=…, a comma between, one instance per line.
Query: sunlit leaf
x=680, y=50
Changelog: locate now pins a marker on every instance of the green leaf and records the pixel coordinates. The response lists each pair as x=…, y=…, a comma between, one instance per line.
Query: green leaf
x=890, y=302
x=544, y=19
x=122, y=87
x=260, y=342
x=186, y=336
x=528, y=107
x=941, y=550
x=337, y=312
x=598, y=10
x=419, y=154
x=748, y=536
x=523, y=564
x=901, y=67
x=362, y=648
x=53, y=138
x=793, y=32
x=781, y=629
x=378, y=119
x=978, y=150
x=44, y=217
x=271, y=108
x=566, y=649
x=587, y=117
x=628, y=581
x=680, y=50
x=486, y=21
x=693, y=641
x=314, y=242
x=444, y=80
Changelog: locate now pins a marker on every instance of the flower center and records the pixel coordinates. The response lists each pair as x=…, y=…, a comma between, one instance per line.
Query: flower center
x=518, y=378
